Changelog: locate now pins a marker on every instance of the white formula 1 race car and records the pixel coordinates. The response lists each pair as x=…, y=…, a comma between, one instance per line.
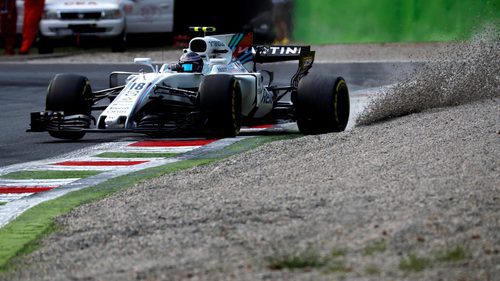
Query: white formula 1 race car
x=213, y=90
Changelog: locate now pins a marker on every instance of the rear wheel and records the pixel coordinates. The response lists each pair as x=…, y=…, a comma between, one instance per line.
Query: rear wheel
x=71, y=94
x=220, y=103
x=322, y=104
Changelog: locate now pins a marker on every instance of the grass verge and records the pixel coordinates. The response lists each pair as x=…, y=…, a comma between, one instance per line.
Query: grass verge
x=374, y=247
x=338, y=266
x=453, y=255
x=338, y=253
x=307, y=259
x=372, y=269
x=414, y=263
x=22, y=235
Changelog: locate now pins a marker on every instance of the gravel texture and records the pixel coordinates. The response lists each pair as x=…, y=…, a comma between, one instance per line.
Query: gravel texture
x=408, y=198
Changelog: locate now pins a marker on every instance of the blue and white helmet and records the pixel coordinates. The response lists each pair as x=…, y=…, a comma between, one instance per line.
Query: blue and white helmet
x=191, y=62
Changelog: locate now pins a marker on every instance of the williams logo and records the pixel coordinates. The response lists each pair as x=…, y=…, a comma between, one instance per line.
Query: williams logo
x=216, y=43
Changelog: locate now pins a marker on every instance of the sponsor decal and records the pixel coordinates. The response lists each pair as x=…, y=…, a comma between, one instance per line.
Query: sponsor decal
x=241, y=45
x=222, y=68
x=216, y=43
x=266, y=98
x=148, y=12
x=80, y=3
x=287, y=51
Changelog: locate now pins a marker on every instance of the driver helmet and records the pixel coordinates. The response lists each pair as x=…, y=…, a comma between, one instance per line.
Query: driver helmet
x=191, y=62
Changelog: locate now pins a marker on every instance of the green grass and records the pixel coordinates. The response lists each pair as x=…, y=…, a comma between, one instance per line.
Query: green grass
x=452, y=255
x=338, y=266
x=136, y=155
x=247, y=144
x=368, y=21
x=372, y=270
x=375, y=247
x=335, y=263
x=46, y=175
x=2, y=203
x=22, y=235
x=307, y=259
x=414, y=263
x=338, y=253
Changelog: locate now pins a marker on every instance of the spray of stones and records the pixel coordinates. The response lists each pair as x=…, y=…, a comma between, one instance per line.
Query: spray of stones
x=465, y=72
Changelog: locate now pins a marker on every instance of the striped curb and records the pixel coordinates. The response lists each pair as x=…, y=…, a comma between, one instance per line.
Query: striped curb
x=15, y=189
x=20, y=195
x=93, y=163
x=11, y=190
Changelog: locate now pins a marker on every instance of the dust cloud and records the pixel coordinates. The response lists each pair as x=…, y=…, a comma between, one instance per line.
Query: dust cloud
x=463, y=73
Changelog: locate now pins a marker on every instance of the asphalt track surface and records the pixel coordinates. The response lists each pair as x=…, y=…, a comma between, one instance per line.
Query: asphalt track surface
x=23, y=89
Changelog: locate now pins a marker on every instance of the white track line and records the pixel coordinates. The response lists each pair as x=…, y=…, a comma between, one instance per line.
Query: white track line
x=35, y=182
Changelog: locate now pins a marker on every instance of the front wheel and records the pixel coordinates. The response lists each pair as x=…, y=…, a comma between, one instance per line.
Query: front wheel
x=71, y=94
x=220, y=103
x=322, y=105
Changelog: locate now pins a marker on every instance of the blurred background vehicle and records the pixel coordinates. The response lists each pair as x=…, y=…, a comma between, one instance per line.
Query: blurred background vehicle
x=146, y=23
x=88, y=22
x=77, y=19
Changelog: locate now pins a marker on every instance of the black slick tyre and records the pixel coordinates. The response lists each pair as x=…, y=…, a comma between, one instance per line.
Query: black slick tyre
x=71, y=94
x=220, y=103
x=322, y=105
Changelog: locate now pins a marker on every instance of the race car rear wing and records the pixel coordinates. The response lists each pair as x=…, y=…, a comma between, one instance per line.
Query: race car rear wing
x=267, y=54
x=270, y=54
